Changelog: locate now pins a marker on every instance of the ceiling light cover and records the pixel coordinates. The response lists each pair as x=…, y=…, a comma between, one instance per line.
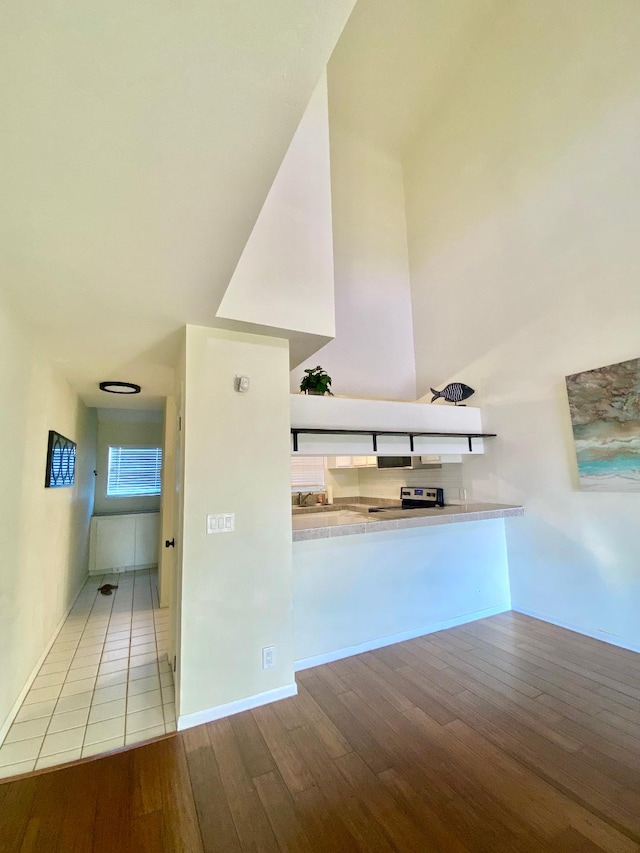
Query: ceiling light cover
x=120, y=387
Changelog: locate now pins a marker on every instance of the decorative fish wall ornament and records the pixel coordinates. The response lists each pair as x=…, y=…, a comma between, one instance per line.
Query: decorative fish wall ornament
x=454, y=393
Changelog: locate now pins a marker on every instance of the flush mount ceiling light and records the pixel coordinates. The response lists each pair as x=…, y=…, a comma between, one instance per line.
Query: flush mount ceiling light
x=120, y=387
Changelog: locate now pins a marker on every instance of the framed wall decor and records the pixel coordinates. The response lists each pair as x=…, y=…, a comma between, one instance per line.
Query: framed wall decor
x=605, y=417
x=61, y=461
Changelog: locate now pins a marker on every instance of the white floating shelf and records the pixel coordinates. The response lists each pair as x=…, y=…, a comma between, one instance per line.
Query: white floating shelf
x=345, y=425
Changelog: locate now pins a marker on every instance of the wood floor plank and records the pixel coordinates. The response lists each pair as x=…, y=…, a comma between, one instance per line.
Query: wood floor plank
x=473, y=666
x=378, y=758
x=334, y=741
x=393, y=821
x=342, y=799
x=147, y=833
x=428, y=700
x=281, y=811
x=438, y=835
x=559, y=810
x=549, y=668
x=292, y=768
x=252, y=825
x=505, y=735
x=255, y=753
x=358, y=674
x=443, y=772
x=214, y=815
x=592, y=729
x=78, y=823
x=324, y=825
x=562, y=770
x=146, y=774
x=330, y=676
x=113, y=816
x=181, y=827
x=479, y=789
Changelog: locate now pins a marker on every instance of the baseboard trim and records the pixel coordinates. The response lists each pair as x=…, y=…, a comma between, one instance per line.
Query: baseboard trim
x=379, y=643
x=187, y=721
x=95, y=573
x=611, y=639
x=4, y=729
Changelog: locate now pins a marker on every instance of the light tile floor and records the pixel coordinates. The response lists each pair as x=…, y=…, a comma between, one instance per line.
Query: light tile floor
x=106, y=682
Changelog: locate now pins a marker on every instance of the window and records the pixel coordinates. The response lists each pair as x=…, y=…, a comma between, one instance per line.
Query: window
x=307, y=473
x=134, y=471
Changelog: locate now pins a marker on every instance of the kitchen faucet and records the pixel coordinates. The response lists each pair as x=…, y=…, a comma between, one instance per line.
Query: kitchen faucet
x=302, y=496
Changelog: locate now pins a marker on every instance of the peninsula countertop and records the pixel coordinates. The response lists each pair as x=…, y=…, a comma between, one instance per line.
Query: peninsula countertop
x=347, y=519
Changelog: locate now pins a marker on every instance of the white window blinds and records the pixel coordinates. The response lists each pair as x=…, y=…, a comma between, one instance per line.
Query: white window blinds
x=307, y=473
x=134, y=471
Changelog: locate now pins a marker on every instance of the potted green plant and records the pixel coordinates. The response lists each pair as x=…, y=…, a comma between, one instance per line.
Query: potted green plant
x=316, y=381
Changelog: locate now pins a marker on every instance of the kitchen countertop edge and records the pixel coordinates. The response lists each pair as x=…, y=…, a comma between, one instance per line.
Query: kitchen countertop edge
x=404, y=520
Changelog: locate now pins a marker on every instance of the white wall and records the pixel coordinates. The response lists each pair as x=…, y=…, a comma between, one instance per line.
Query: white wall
x=236, y=587
x=523, y=203
x=342, y=482
x=44, y=544
x=284, y=278
x=373, y=588
x=125, y=428
x=372, y=354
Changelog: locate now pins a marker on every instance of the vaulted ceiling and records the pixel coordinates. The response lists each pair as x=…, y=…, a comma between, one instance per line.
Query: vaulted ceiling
x=139, y=141
x=396, y=60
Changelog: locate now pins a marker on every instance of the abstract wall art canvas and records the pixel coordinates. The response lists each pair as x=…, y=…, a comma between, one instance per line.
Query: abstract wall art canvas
x=605, y=416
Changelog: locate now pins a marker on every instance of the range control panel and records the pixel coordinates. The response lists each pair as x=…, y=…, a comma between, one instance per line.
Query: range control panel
x=424, y=495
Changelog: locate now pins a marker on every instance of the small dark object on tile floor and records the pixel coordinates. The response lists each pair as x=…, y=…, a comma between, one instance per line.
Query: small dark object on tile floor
x=107, y=588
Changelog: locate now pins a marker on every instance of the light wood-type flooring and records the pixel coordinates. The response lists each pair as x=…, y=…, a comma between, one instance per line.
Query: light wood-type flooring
x=507, y=734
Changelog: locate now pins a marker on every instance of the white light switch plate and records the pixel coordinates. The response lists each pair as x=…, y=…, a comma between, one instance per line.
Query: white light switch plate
x=221, y=522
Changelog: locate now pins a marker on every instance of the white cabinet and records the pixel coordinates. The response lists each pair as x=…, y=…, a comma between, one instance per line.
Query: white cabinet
x=351, y=462
x=120, y=542
x=364, y=461
x=146, y=540
x=115, y=538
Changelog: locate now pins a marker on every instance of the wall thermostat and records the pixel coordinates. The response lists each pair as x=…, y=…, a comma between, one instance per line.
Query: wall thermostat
x=242, y=384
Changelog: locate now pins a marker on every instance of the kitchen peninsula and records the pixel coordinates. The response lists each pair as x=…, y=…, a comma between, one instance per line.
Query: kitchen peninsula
x=364, y=580
x=354, y=517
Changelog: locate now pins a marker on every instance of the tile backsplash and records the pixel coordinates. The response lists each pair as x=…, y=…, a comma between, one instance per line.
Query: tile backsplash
x=373, y=483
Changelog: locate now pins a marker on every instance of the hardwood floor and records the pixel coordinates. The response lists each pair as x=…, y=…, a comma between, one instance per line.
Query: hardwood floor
x=507, y=734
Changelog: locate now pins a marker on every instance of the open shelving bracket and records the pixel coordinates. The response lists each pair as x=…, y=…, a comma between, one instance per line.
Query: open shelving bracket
x=374, y=433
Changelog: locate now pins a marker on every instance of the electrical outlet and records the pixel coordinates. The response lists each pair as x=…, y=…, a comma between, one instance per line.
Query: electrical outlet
x=269, y=657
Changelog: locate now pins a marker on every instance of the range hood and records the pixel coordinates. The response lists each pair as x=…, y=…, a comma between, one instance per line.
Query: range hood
x=414, y=463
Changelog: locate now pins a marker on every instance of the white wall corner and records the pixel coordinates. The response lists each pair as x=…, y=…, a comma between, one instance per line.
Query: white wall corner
x=594, y=633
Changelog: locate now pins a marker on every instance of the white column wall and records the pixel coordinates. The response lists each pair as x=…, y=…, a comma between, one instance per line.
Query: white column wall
x=236, y=587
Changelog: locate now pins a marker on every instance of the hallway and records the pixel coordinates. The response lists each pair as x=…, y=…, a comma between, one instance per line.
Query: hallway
x=105, y=683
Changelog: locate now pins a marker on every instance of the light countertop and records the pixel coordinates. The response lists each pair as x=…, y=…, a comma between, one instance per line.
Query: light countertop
x=355, y=518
